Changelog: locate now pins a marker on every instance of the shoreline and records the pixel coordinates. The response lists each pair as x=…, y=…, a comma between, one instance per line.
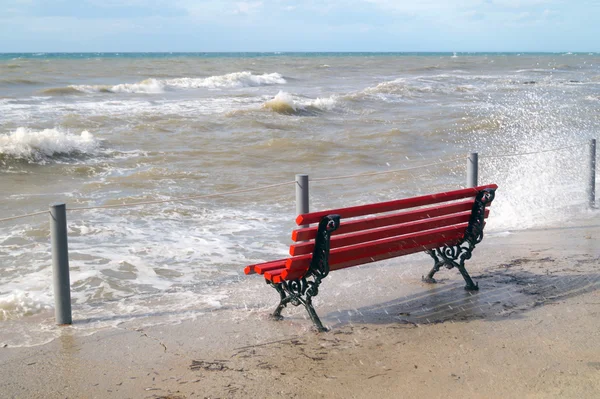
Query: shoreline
x=531, y=331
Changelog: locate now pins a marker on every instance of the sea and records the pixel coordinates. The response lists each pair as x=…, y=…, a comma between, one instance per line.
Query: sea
x=208, y=146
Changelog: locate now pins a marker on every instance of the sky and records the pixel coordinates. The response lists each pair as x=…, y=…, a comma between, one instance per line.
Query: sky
x=299, y=25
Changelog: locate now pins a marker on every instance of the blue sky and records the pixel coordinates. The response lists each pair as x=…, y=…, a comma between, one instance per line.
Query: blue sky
x=294, y=25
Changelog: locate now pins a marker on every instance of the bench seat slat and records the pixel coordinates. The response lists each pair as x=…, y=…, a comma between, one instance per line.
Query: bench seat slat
x=297, y=266
x=309, y=233
x=274, y=275
x=390, y=206
x=385, y=232
x=389, y=255
x=261, y=268
x=266, y=267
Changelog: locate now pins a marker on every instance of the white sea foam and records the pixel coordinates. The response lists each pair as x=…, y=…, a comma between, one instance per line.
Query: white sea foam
x=325, y=104
x=145, y=86
x=40, y=145
x=397, y=86
x=158, y=268
x=229, y=81
x=130, y=108
x=17, y=303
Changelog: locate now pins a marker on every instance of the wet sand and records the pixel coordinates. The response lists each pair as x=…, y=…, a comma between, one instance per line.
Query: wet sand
x=533, y=330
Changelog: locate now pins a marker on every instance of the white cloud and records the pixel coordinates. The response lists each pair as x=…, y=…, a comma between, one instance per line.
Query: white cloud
x=520, y=3
x=247, y=8
x=547, y=14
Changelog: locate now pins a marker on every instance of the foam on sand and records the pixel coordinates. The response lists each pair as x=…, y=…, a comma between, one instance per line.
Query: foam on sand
x=17, y=304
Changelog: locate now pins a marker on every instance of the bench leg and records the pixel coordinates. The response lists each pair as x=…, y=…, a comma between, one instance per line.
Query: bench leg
x=292, y=292
x=471, y=286
x=313, y=315
x=449, y=256
x=284, y=300
x=436, y=268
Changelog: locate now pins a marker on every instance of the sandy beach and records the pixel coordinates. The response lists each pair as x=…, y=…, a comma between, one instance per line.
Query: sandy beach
x=533, y=330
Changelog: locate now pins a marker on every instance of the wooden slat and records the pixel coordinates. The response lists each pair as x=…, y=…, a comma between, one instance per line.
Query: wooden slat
x=260, y=268
x=390, y=206
x=297, y=266
x=373, y=222
x=389, y=255
x=272, y=274
x=385, y=232
x=266, y=267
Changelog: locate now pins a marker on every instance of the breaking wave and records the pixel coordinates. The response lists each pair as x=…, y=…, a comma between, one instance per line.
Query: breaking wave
x=41, y=146
x=149, y=86
x=231, y=80
x=286, y=104
x=146, y=86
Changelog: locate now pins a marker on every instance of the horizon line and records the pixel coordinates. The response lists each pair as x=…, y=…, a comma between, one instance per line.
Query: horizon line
x=301, y=51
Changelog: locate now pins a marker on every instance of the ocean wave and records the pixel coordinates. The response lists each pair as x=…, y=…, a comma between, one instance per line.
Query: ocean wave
x=18, y=81
x=229, y=81
x=41, y=146
x=282, y=103
x=286, y=104
x=145, y=86
x=426, y=68
x=410, y=88
x=400, y=87
x=153, y=86
x=61, y=91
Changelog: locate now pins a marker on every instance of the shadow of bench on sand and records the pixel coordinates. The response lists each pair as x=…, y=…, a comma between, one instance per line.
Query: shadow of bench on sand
x=503, y=294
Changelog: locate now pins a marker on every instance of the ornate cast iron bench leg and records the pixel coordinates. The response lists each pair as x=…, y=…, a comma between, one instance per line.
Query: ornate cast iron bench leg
x=284, y=300
x=455, y=256
x=301, y=291
x=449, y=256
x=313, y=315
x=436, y=268
x=293, y=292
x=471, y=286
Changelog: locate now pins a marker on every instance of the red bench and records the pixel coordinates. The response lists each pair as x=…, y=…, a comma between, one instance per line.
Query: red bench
x=445, y=225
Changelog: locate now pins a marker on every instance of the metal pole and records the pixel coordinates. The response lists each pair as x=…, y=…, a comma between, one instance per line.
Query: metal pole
x=592, y=175
x=60, y=264
x=301, y=195
x=472, y=169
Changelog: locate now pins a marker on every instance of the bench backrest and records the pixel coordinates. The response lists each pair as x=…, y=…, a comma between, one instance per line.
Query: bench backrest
x=374, y=232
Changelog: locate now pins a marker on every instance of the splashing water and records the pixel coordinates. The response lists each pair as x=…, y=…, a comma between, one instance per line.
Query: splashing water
x=544, y=183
